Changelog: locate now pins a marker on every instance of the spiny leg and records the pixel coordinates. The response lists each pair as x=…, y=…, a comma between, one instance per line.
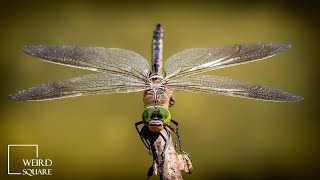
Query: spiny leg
x=141, y=136
x=145, y=142
x=178, y=142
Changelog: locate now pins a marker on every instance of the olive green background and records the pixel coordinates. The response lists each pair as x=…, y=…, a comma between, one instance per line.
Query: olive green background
x=93, y=137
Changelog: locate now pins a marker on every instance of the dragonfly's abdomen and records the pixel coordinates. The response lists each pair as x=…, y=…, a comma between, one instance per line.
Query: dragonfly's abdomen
x=157, y=50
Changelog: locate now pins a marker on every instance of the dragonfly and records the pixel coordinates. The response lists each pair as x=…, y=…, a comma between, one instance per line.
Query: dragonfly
x=124, y=71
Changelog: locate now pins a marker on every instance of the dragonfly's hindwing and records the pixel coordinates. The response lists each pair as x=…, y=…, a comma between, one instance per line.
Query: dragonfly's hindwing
x=112, y=60
x=193, y=61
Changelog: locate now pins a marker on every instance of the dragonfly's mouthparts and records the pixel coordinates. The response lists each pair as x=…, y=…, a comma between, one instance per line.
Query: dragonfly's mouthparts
x=155, y=125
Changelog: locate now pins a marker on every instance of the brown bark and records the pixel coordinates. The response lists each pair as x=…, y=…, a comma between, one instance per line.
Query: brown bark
x=167, y=163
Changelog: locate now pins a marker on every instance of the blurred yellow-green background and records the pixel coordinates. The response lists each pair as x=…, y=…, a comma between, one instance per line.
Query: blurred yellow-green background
x=93, y=137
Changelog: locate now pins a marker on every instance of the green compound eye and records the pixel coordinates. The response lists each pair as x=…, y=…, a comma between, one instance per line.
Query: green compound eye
x=165, y=115
x=159, y=112
x=147, y=113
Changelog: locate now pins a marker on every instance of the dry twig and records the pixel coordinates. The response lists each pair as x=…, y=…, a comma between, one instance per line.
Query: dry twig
x=167, y=163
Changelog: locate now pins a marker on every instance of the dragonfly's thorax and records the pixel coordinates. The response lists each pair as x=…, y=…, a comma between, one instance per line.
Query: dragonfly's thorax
x=156, y=82
x=157, y=94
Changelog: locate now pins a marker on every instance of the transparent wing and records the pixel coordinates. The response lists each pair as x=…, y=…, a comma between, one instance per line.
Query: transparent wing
x=192, y=61
x=229, y=87
x=112, y=60
x=100, y=83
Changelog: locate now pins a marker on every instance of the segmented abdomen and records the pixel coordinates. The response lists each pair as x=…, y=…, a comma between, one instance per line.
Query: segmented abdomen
x=157, y=50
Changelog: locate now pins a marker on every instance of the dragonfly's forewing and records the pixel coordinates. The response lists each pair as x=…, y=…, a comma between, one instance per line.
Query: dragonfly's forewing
x=100, y=83
x=227, y=86
x=113, y=60
x=193, y=61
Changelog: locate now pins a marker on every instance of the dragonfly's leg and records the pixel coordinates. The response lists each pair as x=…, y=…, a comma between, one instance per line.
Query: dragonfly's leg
x=145, y=142
x=178, y=142
x=150, y=172
x=174, y=130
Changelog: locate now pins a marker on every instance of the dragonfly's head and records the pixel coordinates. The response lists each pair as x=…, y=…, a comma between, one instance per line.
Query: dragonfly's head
x=156, y=117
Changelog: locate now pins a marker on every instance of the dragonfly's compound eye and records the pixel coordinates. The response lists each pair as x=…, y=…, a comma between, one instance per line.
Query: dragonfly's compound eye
x=156, y=118
x=165, y=115
x=147, y=114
